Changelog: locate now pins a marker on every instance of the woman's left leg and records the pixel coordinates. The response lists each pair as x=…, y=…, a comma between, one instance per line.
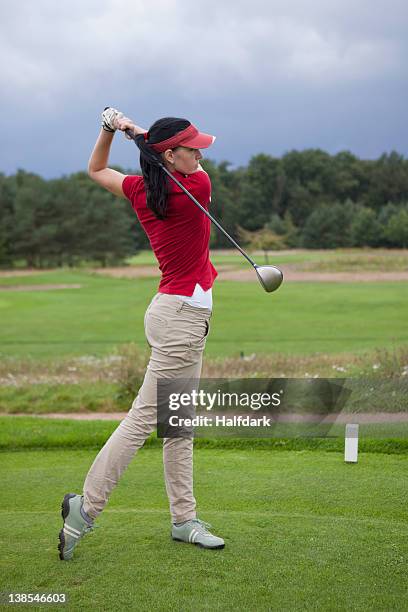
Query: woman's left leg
x=178, y=462
x=191, y=328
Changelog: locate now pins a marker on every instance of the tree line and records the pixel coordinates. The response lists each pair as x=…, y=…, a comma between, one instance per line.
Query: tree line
x=305, y=199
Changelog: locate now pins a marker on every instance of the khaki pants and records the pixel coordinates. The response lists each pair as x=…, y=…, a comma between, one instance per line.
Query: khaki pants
x=176, y=333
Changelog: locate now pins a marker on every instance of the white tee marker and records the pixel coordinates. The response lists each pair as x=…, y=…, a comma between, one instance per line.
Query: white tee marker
x=351, y=443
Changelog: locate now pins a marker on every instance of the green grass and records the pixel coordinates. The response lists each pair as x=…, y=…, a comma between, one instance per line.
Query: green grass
x=301, y=318
x=233, y=258
x=57, y=276
x=90, y=384
x=27, y=433
x=358, y=262
x=332, y=260
x=46, y=398
x=303, y=531
x=368, y=395
x=19, y=433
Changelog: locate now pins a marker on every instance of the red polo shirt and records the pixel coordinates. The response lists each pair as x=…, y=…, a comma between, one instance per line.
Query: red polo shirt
x=180, y=241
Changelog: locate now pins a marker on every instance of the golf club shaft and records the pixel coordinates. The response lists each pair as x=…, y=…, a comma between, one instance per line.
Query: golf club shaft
x=216, y=223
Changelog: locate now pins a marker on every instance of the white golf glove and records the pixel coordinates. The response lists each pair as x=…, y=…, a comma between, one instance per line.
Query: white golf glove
x=108, y=117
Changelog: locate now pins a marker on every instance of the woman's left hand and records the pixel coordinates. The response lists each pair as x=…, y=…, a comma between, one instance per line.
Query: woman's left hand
x=124, y=123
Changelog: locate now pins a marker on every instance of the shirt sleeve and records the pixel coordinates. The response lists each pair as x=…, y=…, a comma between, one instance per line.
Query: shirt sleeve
x=129, y=185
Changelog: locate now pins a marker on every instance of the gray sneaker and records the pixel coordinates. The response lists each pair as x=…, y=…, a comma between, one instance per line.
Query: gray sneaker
x=196, y=532
x=75, y=525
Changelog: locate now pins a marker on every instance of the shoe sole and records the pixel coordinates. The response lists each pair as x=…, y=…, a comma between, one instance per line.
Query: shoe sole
x=199, y=544
x=64, y=514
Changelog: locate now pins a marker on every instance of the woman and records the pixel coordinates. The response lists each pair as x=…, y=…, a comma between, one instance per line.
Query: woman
x=176, y=321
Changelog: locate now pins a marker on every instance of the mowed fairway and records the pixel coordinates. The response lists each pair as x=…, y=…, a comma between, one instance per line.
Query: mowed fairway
x=104, y=313
x=303, y=531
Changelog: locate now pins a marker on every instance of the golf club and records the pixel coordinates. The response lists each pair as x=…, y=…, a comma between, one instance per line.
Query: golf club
x=270, y=277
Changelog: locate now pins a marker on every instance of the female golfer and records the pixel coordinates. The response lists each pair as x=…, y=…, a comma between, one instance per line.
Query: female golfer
x=176, y=321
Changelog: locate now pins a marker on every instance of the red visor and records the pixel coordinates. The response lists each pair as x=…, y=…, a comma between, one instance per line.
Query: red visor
x=190, y=137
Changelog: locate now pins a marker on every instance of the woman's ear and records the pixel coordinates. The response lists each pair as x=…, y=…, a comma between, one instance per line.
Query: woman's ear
x=168, y=156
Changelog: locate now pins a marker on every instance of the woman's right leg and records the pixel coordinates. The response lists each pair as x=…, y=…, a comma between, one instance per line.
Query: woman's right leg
x=79, y=512
x=121, y=447
x=118, y=451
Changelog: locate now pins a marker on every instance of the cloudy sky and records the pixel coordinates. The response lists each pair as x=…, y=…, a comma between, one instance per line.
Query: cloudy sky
x=263, y=76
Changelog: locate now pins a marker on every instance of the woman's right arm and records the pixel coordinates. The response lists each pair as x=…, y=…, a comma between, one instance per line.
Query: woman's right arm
x=97, y=166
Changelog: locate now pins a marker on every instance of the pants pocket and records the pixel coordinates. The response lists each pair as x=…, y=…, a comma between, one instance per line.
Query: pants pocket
x=199, y=333
x=155, y=328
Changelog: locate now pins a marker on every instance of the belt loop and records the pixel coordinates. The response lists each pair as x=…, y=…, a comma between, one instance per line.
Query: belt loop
x=180, y=306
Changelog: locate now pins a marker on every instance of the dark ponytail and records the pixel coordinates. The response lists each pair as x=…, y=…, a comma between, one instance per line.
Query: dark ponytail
x=156, y=181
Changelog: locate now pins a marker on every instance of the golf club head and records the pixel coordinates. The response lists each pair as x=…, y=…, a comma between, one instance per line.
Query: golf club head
x=270, y=277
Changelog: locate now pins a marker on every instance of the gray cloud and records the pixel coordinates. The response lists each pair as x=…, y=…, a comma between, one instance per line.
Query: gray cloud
x=283, y=74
